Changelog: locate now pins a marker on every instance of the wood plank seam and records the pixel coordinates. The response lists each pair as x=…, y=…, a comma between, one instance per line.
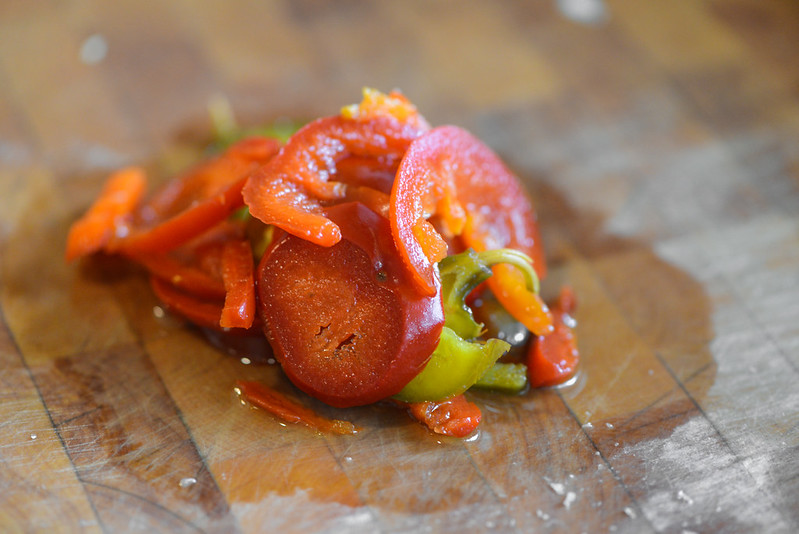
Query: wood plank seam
x=55, y=428
x=725, y=442
x=154, y=504
x=608, y=465
x=183, y=422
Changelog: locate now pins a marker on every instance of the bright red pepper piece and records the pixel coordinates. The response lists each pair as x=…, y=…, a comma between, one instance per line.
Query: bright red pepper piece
x=552, y=359
x=289, y=411
x=448, y=172
x=183, y=276
x=200, y=200
x=198, y=311
x=207, y=179
x=451, y=417
x=183, y=227
x=238, y=278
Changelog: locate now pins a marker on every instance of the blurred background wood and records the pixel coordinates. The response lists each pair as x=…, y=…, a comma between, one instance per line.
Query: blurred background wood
x=660, y=141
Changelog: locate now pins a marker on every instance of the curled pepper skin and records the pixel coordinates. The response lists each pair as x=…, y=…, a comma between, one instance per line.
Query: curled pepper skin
x=292, y=190
x=450, y=173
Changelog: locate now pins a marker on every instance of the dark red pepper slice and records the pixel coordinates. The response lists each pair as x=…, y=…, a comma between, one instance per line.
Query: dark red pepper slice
x=344, y=322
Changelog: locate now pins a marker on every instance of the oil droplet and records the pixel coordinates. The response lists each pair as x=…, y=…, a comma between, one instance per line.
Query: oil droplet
x=609, y=425
x=246, y=361
x=187, y=482
x=33, y=436
x=158, y=312
x=348, y=458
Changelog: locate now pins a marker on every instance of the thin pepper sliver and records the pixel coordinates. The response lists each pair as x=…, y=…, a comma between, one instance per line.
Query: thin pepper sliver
x=238, y=277
x=198, y=311
x=184, y=277
x=289, y=411
x=184, y=226
x=108, y=214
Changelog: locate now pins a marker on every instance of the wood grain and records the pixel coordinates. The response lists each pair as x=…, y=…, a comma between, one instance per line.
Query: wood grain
x=660, y=145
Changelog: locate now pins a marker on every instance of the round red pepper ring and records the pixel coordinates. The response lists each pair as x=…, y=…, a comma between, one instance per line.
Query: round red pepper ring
x=450, y=173
x=344, y=323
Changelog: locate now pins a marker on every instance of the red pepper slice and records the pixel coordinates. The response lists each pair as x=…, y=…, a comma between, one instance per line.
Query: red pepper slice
x=238, y=277
x=344, y=322
x=183, y=227
x=206, y=196
x=198, y=311
x=451, y=417
x=292, y=190
x=448, y=172
x=208, y=179
x=182, y=276
x=289, y=411
x=552, y=359
x=111, y=212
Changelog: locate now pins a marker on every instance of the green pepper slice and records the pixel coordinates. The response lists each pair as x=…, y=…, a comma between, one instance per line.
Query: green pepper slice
x=454, y=366
x=508, y=378
x=457, y=364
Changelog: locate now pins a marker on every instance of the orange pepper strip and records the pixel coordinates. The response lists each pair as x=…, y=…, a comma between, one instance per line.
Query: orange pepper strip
x=182, y=276
x=184, y=226
x=108, y=213
x=199, y=312
x=237, y=274
x=451, y=417
x=552, y=359
x=508, y=286
x=289, y=411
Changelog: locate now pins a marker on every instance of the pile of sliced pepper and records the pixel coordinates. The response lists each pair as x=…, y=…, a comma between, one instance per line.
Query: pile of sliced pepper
x=354, y=247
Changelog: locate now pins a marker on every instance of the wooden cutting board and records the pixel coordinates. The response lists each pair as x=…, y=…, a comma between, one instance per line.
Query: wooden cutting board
x=659, y=141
